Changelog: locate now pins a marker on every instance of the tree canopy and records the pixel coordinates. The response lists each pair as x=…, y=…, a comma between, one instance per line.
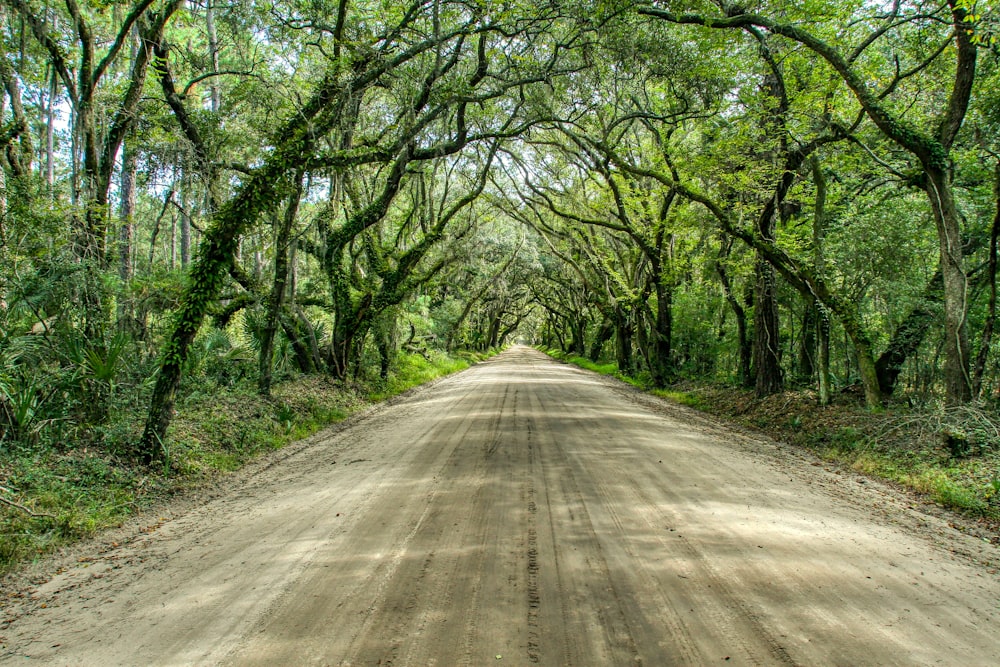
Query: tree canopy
x=770, y=194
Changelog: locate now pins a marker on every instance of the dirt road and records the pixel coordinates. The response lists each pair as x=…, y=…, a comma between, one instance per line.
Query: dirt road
x=526, y=512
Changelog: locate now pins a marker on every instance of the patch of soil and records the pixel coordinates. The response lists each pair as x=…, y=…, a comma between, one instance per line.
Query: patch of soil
x=842, y=431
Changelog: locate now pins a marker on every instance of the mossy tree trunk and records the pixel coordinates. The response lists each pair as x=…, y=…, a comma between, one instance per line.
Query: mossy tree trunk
x=745, y=348
x=266, y=185
x=603, y=335
x=276, y=299
x=986, y=340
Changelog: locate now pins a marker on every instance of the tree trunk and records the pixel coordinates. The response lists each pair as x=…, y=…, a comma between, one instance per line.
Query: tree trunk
x=339, y=357
x=623, y=344
x=958, y=381
x=578, y=343
x=302, y=337
x=127, y=211
x=603, y=335
x=823, y=353
x=186, y=205
x=641, y=336
x=909, y=335
x=213, y=54
x=173, y=240
x=351, y=322
x=660, y=362
x=277, y=297
x=555, y=330
x=494, y=332
x=384, y=356
x=991, y=311
x=766, y=345
x=742, y=339
x=806, y=366
x=822, y=313
x=50, y=145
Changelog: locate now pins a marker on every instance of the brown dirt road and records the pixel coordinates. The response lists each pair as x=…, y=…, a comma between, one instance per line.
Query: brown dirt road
x=525, y=512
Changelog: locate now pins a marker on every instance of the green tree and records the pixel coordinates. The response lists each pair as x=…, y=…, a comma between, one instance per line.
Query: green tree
x=929, y=139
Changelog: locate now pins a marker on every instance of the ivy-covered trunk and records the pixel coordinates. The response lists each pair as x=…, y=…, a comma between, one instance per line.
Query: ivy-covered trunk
x=92, y=228
x=603, y=335
x=210, y=267
x=957, y=351
x=302, y=337
x=350, y=325
x=660, y=364
x=909, y=335
x=277, y=296
x=268, y=184
x=766, y=343
x=623, y=343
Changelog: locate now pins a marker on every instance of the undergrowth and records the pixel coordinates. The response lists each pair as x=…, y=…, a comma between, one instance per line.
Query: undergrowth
x=52, y=493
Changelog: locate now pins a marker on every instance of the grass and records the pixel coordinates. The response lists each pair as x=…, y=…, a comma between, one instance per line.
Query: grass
x=603, y=369
x=413, y=370
x=56, y=493
x=682, y=397
x=610, y=368
x=64, y=496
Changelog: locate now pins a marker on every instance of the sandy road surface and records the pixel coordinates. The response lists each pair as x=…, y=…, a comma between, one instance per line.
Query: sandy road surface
x=526, y=512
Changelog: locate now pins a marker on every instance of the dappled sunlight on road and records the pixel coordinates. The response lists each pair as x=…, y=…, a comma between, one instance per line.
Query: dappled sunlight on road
x=533, y=511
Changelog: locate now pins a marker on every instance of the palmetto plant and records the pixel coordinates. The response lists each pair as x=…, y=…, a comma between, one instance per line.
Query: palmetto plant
x=103, y=363
x=92, y=369
x=101, y=367
x=22, y=392
x=23, y=403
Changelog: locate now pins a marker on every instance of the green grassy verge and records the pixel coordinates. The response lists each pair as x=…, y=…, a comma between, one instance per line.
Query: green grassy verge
x=609, y=368
x=55, y=493
x=913, y=448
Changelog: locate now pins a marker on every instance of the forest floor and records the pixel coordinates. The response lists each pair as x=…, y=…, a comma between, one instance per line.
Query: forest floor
x=521, y=512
